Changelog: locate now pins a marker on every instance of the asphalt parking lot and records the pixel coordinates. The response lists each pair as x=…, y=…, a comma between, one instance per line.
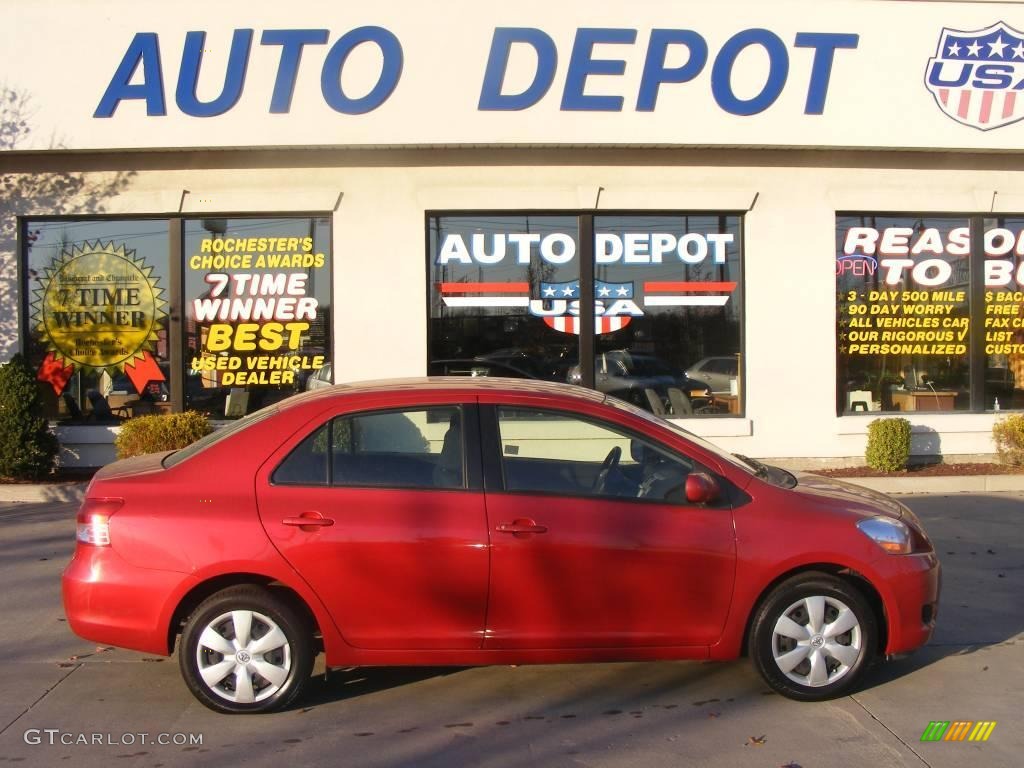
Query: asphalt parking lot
x=58, y=690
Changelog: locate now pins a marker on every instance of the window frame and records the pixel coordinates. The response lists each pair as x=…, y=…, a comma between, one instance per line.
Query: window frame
x=472, y=475
x=586, y=238
x=494, y=465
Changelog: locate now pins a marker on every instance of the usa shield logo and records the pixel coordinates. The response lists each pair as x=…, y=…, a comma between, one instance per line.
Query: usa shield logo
x=977, y=77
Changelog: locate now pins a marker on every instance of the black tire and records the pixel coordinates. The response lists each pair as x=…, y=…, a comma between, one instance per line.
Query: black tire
x=289, y=662
x=786, y=599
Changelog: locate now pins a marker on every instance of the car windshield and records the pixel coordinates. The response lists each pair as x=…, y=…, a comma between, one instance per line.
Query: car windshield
x=216, y=436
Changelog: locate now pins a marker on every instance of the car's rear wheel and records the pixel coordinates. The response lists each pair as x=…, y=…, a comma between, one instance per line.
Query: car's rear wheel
x=246, y=650
x=813, y=637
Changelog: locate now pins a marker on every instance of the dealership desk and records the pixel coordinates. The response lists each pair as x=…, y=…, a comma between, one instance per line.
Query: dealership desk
x=924, y=400
x=730, y=402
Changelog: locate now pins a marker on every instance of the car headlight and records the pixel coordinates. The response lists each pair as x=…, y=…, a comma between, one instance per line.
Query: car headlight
x=890, y=534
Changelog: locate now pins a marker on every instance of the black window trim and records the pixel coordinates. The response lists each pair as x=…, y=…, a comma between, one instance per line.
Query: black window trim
x=472, y=474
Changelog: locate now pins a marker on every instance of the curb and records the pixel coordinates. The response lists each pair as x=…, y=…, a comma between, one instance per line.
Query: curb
x=57, y=493
x=941, y=483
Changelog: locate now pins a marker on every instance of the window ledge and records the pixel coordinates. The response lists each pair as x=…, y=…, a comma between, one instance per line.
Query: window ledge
x=923, y=421
x=724, y=427
x=85, y=433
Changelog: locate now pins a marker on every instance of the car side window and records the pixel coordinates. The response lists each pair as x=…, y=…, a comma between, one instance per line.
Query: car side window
x=557, y=452
x=414, y=448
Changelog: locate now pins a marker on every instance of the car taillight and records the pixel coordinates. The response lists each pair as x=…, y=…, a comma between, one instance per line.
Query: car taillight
x=94, y=521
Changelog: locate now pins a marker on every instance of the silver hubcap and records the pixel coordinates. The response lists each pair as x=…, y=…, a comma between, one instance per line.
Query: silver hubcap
x=243, y=656
x=816, y=641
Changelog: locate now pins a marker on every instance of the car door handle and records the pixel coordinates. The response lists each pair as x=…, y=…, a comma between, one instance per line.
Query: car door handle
x=309, y=521
x=521, y=528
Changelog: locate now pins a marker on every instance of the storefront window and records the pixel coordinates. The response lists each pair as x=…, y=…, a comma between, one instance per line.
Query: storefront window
x=930, y=313
x=1004, y=313
x=675, y=340
x=96, y=320
x=506, y=294
x=110, y=326
x=257, y=310
x=501, y=291
x=903, y=326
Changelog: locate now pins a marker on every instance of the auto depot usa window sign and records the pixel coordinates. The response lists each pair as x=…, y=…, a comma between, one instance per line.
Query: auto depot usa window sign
x=735, y=73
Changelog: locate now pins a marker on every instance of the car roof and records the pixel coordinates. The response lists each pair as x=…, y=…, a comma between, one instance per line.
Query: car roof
x=488, y=384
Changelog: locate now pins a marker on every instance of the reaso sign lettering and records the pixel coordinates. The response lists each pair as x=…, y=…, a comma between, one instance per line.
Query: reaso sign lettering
x=900, y=250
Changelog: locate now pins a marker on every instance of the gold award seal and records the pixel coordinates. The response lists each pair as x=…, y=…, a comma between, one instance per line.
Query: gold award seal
x=99, y=306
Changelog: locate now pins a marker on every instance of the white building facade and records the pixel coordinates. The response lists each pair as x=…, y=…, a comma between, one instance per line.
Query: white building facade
x=773, y=222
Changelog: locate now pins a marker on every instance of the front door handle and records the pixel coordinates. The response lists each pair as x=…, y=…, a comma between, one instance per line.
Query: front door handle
x=309, y=521
x=521, y=528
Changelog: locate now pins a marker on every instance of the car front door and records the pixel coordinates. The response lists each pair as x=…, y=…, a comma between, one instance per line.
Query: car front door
x=382, y=513
x=593, y=542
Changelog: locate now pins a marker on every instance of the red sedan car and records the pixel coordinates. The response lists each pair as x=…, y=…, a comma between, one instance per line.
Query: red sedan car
x=454, y=521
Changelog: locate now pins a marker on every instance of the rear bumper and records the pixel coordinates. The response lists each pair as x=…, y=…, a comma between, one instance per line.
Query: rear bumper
x=109, y=601
x=913, y=583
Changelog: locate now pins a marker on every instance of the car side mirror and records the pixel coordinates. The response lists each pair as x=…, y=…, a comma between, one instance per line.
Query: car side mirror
x=701, y=488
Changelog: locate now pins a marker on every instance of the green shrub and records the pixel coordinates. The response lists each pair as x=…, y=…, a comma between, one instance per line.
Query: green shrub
x=888, y=444
x=168, y=432
x=28, y=449
x=1008, y=435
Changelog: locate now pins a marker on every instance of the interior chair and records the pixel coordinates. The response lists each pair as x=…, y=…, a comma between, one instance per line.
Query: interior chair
x=74, y=412
x=654, y=400
x=101, y=411
x=681, y=405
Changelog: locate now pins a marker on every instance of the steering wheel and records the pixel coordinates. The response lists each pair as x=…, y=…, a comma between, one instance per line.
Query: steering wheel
x=611, y=461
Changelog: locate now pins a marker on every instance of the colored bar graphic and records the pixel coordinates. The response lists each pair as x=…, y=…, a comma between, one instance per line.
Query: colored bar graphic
x=982, y=731
x=935, y=731
x=958, y=730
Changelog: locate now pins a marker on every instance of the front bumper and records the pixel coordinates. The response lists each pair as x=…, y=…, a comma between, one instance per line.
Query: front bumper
x=912, y=584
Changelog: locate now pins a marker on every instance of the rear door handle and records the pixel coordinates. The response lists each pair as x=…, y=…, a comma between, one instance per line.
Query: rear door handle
x=308, y=521
x=521, y=528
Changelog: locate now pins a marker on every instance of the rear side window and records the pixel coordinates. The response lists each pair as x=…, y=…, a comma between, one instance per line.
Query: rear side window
x=414, y=448
x=307, y=463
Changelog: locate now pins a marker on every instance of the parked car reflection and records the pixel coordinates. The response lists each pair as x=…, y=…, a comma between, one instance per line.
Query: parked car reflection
x=649, y=383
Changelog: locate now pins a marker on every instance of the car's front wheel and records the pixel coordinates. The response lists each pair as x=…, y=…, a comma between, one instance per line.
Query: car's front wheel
x=813, y=637
x=245, y=650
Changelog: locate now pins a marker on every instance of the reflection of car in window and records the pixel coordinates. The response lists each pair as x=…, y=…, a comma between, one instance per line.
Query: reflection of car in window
x=644, y=380
x=633, y=377
x=320, y=378
x=476, y=367
x=717, y=372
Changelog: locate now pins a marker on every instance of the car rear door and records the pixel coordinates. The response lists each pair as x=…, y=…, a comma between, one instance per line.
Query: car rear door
x=579, y=561
x=382, y=513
